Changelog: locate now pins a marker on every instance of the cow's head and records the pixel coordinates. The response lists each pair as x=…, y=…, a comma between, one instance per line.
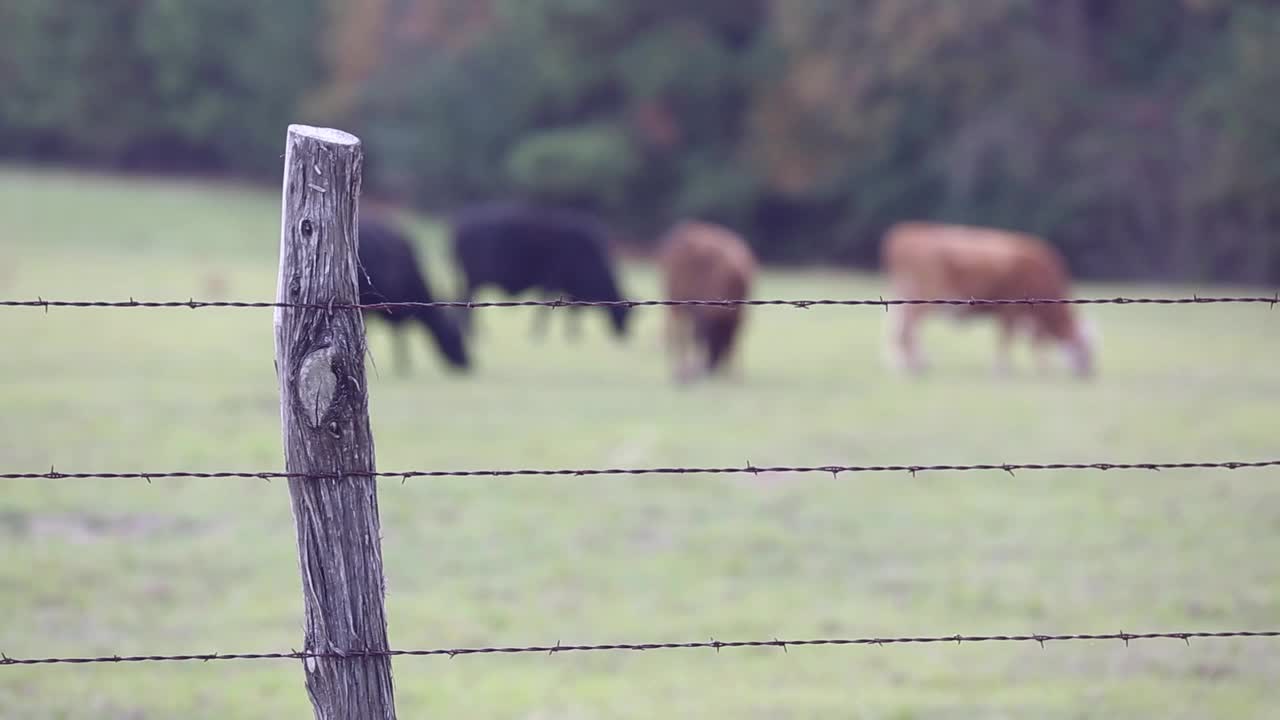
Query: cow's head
x=1079, y=346
x=596, y=280
x=618, y=315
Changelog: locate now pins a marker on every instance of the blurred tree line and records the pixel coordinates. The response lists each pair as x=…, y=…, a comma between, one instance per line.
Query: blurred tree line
x=1141, y=136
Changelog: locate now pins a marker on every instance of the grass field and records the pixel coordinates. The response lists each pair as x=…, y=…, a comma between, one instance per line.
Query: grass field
x=177, y=566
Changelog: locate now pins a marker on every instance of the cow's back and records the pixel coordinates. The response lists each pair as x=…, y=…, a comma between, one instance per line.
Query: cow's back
x=935, y=260
x=520, y=247
x=496, y=243
x=701, y=261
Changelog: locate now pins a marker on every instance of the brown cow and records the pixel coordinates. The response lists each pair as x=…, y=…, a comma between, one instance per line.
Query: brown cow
x=933, y=260
x=702, y=261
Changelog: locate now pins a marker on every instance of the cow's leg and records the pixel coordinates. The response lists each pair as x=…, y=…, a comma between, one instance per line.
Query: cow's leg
x=466, y=316
x=672, y=340
x=1043, y=349
x=1041, y=342
x=541, y=318
x=702, y=328
x=903, y=352
x=693, y=360
x=892, y=350
x=1008, y=331
x=681, y=345
x=573, y=323
x=733, y=369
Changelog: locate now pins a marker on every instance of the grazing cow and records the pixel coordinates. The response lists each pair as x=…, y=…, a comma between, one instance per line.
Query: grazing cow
x=932, y=261
x=702, y=261
x=389, y=272
x=517, y=247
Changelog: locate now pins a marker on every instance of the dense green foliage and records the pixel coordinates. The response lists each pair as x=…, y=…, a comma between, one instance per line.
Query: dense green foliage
x=190, y=84
x=1141, y=136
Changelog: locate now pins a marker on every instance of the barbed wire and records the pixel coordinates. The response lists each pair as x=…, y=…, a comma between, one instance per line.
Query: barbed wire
x=747, y=469
x=711, y=644
x=886, y=303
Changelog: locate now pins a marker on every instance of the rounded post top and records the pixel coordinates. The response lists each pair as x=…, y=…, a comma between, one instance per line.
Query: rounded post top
x=326, y=135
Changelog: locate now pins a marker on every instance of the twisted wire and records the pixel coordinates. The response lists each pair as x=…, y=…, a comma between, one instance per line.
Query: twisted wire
x=712, y=644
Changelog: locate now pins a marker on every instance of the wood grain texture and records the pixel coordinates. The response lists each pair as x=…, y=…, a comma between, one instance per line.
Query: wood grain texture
x=325, y=421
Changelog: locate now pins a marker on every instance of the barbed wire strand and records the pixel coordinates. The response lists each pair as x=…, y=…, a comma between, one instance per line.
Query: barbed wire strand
x=748, y=469
x=194, y=304
x=713, y=644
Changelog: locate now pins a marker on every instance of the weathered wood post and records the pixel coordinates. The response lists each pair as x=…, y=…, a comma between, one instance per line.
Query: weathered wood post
x=325, y=420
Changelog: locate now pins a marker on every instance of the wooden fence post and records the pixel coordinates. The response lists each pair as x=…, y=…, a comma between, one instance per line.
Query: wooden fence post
x=325, y=420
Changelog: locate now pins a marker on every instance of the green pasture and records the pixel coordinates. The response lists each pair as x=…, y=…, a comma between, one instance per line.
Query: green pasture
x=101, y=566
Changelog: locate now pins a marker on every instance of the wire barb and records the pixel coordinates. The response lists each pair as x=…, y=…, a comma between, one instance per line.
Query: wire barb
x=711, y=643
x=748, y=469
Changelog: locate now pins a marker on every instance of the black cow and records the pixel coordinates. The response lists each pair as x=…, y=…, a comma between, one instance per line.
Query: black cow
x=518, y=247
x=389, y=273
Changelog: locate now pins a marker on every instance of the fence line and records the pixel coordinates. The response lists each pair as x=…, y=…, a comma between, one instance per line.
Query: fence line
x=192, y=304
x=748, y=469
x=711, y=644
x=339, y=543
